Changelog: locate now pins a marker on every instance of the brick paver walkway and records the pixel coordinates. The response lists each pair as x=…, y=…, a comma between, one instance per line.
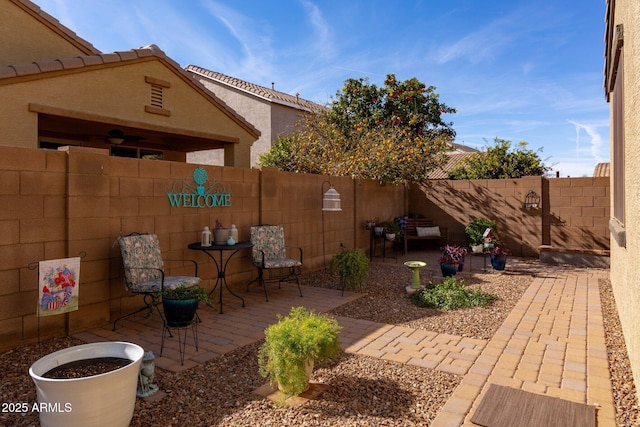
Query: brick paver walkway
x=552, y=342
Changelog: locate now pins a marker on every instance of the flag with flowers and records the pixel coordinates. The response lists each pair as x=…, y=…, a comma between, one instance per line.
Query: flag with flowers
x=59, y=283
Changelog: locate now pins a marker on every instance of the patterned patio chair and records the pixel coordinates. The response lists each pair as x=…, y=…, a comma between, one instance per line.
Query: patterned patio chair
x=144, y=270
x=269, y=255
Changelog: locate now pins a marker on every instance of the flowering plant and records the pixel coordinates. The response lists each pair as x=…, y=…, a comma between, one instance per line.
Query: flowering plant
x=498, y=250
x=219, y=225
x=369, y=224
x=452, y=254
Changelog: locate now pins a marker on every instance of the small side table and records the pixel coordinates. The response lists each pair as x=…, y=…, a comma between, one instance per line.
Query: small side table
x=483, y=254
x=220, y=265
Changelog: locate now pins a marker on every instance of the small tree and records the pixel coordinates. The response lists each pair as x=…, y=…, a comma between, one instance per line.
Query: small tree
x=499, y=162
x=393, y=134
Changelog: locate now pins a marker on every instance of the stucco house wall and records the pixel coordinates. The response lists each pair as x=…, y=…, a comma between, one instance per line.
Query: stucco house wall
x=272, y=112
x=46, y=70
x=28, y=33
x=257, y=111
x=625, y=241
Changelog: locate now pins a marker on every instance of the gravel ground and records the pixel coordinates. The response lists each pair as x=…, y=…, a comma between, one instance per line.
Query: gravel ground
x=363, y=390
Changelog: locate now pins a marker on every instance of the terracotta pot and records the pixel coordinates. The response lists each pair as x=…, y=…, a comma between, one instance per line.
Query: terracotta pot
x=221, y=235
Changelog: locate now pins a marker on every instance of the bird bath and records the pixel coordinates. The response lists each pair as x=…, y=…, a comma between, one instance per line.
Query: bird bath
x=415, y=267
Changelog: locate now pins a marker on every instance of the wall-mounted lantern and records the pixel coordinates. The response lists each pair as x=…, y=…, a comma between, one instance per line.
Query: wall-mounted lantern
x=531, y=200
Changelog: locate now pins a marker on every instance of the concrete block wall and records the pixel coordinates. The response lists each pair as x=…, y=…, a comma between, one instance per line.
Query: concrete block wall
x=573, y=212
x=579, y=213
x=60, y=204
x=32, y=228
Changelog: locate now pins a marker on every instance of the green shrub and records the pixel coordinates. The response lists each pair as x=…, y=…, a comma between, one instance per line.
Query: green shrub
x=352, y=266
x=301, y=337
x=476, y=228
x=451, y=294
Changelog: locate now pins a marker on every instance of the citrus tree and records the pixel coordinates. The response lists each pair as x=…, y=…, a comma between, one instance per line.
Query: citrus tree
x=500, y=161
x=394, y=134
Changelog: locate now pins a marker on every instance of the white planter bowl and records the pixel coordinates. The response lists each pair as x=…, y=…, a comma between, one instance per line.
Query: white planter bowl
x=101, y=400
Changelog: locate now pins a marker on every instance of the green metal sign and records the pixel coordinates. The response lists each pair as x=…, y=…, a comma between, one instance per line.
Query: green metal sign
x=196, y=193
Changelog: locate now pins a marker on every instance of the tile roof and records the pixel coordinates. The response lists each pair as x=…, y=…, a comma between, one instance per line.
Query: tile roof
x=455, y=161
x=56, y=26
x=40, y=67
x=65, y=64
x=270, y=95
x=463, y=148
x=602, y=170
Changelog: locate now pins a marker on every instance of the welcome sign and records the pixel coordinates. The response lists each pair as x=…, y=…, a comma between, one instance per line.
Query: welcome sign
x=197, y=193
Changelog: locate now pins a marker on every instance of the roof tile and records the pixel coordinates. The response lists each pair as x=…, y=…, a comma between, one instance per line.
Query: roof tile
x=455, y=161
x=110, y=57
x=7, y=72
x=261, y=91
x=25, y=69
x=92, y=60
x=46, y=66
x=127, y=55
x=69, y=63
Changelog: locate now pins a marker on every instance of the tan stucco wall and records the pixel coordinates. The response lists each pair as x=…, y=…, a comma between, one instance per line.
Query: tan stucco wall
x=118, y=93
x=625, y=260
x=255, y=110
x=25, y=39
x=271, y=119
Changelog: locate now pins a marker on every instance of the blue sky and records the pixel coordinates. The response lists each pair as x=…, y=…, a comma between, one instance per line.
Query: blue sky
x=523, y=70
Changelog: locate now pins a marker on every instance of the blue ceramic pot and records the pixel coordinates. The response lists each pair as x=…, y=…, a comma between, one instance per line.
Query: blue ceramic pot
x=498, y=261
x=448, y=269
x=179, y=313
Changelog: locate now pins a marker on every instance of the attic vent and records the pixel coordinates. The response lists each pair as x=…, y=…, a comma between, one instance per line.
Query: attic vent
x=156, y=102
x=156, y=96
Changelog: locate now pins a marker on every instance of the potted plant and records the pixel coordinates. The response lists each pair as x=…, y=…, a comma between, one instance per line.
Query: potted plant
x=475, y=233
x=498, y=256
x=452, y=259
x=180, y=304
x=391, y=229
x=370, y=224
x=293, y=345
x=352, y=266
x=220, y=234
x=105, y=399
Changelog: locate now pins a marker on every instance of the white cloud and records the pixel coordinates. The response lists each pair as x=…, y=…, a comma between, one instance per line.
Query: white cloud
x=321, y=29
x=596, y=143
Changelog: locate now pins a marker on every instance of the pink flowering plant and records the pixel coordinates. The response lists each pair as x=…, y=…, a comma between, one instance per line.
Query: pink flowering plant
x=452, y=254
x=499, y=250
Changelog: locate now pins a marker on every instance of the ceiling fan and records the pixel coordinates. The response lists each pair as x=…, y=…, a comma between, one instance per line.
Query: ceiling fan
x=117, y=137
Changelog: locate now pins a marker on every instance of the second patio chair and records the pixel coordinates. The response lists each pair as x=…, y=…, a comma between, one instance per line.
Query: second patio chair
x=269, y=255
x=144, y=272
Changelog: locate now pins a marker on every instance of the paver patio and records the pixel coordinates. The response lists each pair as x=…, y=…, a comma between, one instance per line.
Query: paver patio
x=551, y=343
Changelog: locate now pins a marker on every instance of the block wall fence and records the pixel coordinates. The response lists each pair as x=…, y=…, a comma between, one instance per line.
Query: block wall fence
x=59, y=204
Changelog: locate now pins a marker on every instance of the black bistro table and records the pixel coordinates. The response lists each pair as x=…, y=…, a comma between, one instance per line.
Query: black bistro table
x=221, y=264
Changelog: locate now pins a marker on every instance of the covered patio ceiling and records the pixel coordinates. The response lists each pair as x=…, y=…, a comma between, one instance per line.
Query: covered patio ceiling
x=97, y=133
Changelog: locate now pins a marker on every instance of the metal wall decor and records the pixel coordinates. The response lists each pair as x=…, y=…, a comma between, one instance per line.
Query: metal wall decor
x=531, y=200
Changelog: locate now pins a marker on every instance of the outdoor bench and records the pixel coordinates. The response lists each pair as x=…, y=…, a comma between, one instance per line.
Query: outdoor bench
x=423, y=229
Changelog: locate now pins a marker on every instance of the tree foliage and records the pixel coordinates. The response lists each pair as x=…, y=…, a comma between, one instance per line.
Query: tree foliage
x=500, y=162
x=393, y=134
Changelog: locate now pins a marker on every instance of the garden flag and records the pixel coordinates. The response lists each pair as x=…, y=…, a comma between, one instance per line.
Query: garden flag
x=58, y=289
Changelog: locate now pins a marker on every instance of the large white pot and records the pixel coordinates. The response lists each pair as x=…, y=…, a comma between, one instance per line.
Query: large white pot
x=101, y=400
